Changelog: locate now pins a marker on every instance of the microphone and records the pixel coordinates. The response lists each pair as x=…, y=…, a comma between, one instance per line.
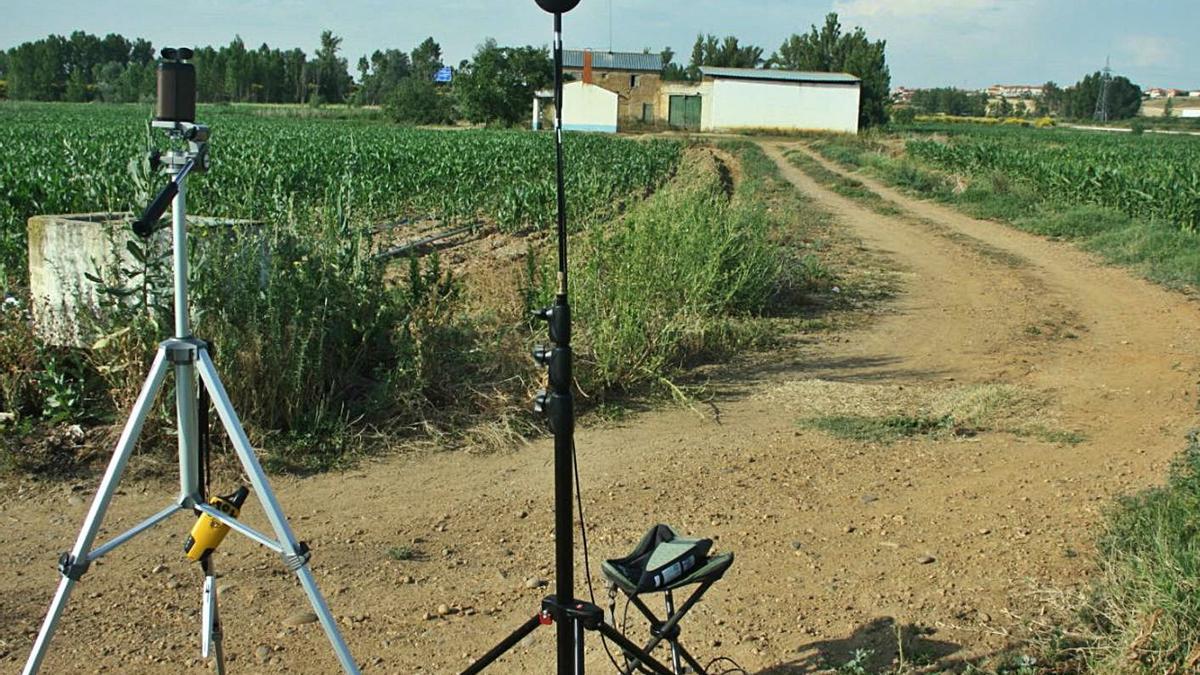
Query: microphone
x=557, y=6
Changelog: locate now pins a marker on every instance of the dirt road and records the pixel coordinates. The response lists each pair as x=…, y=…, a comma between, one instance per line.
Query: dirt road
x=939, y=541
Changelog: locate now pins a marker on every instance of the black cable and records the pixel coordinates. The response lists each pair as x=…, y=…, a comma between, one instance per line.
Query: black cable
x=204, y=441
x=737, y=668
x=587, y=567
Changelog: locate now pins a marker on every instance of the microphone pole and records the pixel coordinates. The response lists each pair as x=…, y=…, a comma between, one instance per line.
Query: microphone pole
x=561, y=404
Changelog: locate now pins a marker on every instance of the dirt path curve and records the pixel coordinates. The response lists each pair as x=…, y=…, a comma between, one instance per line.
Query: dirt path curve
x=840, y=545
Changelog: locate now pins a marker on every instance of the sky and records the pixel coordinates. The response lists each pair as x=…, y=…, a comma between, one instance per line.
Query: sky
x=962, y=43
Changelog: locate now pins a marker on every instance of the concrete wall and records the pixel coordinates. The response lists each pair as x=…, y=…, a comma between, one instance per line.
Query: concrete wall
x=743, y=104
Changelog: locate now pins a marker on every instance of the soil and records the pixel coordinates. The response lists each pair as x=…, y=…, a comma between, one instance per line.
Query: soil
x=944, y=544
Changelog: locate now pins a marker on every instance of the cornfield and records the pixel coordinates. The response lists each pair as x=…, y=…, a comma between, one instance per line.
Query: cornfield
x=67, y=159
x=1147, y=177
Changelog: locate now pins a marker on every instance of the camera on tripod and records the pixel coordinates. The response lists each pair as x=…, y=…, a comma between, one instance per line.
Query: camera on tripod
x=175, y=114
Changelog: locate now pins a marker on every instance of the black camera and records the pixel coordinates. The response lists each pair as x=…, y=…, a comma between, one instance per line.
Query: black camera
x=176, y=86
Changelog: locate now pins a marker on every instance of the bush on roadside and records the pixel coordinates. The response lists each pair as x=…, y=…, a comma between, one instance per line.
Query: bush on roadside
x=668, y=284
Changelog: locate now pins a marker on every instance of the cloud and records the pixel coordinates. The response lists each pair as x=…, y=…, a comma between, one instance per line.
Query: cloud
x=915, y=8
x=1146, y=51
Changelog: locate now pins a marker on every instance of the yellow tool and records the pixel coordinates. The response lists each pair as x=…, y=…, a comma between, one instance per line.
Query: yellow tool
x=208, y=532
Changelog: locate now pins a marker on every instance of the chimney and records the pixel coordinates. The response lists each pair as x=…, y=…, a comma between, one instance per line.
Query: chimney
x=587, y=66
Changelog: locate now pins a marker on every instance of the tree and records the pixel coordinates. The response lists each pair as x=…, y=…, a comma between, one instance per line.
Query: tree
x=828, y=49
x=672, y=72
x=950, y=101
x=381, y=75
x=1051, y=100
x=727, y=53
x=1124, y=97
x=1169, y=107
x=426, y=59
x=499, y=82
x=1001, y=108
x=332, y=73
x=77, y=88
x=418, y=101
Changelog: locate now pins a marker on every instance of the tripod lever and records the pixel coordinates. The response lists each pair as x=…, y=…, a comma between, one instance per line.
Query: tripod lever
x=147, y=224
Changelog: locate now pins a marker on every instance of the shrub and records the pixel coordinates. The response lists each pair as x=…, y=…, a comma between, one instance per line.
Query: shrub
x=903, y=115
x=666, y=285
x=417, y=101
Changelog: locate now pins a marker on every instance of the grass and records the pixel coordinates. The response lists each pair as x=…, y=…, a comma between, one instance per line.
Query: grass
x=405, y=553
x=843, y=185
x=960, y=411
x=877, y=430
x=697, y=271
x=1143, y=609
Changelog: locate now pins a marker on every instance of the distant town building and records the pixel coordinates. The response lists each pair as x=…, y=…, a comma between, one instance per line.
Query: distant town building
x=902, y=94
x=1015, y=90
x=1166, y=92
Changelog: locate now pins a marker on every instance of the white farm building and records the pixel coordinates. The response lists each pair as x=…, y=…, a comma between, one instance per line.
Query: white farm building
x=726, y=99
x=754, y=98
x=586, y=107
x=782, y=99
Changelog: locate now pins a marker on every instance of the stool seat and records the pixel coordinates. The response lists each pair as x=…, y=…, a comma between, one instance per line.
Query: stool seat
x=663, y=561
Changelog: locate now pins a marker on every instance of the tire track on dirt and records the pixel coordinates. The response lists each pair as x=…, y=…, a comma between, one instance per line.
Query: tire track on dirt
x=1133, y=372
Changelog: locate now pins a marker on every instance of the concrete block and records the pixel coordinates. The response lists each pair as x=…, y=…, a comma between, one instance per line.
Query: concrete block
x=65, y=249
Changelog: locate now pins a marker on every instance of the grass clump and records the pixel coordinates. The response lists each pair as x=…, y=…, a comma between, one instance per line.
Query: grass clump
x=1144, y=608
x=405, y=553
x=878, y=429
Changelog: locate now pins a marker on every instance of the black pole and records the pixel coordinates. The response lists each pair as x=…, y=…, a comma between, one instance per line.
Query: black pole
x=562, y=410
x=557, y=403
x=558, y=144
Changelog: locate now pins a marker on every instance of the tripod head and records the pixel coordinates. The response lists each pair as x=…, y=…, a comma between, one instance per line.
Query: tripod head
x=175, y=114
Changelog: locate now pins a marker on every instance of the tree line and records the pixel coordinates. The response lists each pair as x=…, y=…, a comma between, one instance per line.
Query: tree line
x=1077, y=101
x=494, y=86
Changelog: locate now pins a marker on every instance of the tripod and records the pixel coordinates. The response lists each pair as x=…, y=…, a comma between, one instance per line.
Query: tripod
x=574, y=617
x=188, y=357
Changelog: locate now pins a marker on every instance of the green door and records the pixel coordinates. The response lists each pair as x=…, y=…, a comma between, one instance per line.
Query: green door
x=685, y=112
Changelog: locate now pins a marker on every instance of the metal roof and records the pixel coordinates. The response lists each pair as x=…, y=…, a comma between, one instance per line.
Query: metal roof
x=779, y=75
x=573, y=58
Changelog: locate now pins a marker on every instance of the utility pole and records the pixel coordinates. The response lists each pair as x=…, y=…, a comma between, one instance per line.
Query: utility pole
x=1102, y=112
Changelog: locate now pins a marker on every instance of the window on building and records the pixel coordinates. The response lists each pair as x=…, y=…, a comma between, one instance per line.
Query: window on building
x=633, y=81
x=647, y=112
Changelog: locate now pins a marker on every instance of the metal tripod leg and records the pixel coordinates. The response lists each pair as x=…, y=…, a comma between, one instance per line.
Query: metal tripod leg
x=211, y=635
x=75, y=563
x=674, y=643
x=295, y=555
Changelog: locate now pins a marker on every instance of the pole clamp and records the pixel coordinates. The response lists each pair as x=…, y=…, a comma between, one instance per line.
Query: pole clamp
x=296, y=561
x=183, y=351
x=71, y=567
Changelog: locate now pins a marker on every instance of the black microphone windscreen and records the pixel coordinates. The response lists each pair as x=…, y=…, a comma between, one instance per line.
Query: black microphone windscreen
x=557, y=6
